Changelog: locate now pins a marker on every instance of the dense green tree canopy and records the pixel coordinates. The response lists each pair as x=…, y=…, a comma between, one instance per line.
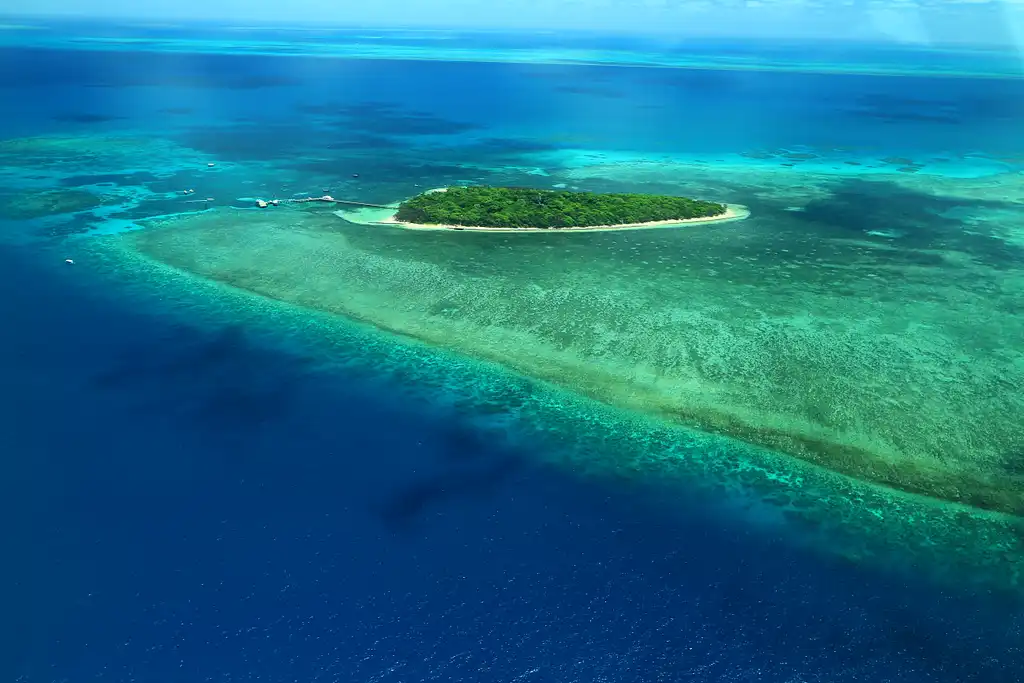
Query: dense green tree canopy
x=515, y=207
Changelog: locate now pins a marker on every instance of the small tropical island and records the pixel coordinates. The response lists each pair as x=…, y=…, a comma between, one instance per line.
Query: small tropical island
x=521, y=209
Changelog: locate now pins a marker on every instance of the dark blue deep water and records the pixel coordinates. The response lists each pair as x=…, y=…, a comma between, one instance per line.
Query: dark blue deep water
x=192, y=501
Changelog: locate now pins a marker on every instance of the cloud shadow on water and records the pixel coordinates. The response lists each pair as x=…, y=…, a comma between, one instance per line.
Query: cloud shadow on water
x=222, y=383
x=925, y=223
x=471, y=464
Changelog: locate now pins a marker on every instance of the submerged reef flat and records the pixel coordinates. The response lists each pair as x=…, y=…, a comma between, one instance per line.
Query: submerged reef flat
x=87, y=153
x=28, y=205
x=182, y=263
x=895, y=365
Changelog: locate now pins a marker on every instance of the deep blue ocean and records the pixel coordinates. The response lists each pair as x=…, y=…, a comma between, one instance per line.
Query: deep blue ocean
x=199, y=501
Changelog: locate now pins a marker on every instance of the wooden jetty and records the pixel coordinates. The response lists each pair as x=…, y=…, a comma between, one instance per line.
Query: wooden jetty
x=331, y=200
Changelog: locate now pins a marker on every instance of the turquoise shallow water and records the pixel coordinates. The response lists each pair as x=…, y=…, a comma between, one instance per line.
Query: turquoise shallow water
x=540, y=48
x=233, y=486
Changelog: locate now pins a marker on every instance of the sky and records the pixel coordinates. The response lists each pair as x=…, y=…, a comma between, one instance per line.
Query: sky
x=920, y=22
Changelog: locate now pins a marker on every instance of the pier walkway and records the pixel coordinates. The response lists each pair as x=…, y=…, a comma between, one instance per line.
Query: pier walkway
x=331, y=200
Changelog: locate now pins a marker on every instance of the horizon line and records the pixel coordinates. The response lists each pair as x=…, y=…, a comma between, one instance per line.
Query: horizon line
x=18, y=21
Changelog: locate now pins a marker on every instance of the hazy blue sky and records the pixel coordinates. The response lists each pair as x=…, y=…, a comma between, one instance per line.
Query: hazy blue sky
x=909, y=21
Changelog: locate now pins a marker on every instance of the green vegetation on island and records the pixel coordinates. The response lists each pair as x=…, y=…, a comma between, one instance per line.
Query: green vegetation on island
x=520, y=207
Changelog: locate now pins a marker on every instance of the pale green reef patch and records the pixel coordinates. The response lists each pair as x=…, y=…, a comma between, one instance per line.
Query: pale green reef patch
x=898, y=365
x=834, y=514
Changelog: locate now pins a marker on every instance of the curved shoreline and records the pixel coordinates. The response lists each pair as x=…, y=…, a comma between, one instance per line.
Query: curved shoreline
x=733, y=212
